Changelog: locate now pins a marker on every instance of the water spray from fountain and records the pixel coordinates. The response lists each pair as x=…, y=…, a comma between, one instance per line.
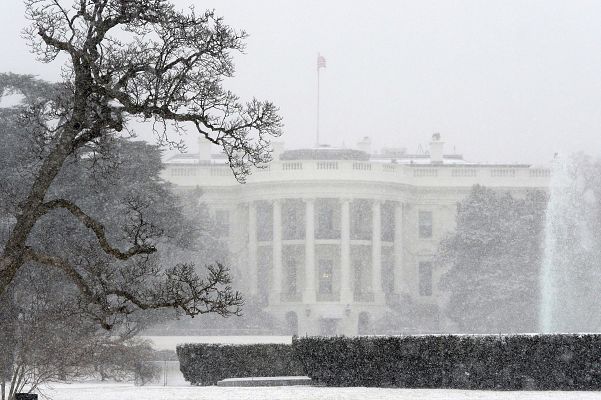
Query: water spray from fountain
x=571, y=271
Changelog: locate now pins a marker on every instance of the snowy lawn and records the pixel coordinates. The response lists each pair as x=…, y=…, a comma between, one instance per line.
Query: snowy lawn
x=80, y=391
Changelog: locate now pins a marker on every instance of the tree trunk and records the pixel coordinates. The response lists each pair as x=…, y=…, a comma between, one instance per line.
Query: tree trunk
x=13, y=256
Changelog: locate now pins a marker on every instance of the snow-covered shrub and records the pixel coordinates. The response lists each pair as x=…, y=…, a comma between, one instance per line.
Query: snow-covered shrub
x=206, y=364
x=512, y=362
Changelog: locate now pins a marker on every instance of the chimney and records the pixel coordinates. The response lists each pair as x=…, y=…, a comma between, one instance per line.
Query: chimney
x=436, y=147
x=365, y=145
x=204, y=150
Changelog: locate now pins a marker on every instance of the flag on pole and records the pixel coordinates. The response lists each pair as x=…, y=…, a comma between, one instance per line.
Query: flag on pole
x=321, y=61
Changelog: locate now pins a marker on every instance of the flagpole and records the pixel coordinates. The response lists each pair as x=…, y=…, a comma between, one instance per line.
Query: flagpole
x=317, y=128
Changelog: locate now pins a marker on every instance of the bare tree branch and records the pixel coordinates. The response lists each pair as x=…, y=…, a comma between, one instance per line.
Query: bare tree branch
x=169, y=67
x=140, y=246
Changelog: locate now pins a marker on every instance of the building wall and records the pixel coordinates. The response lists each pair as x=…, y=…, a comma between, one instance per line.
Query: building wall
x=374, y=235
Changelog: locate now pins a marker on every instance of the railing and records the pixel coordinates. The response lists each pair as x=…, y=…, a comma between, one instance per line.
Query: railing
x=220, y=171
x=425, y=172
x=502, y=172
x=540, y=173
x=287, y=166
x=464, y=172
x=183, y=171
x=362, y=166
x=412, y=174
x=327, y=165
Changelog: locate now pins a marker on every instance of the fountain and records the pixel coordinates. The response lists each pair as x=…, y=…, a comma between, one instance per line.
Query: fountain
x=571, y=271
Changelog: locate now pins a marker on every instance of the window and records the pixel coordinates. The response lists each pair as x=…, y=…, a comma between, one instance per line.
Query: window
x=264, y=221
x=291, y=276
x=293, y=220
x=425, y=224
x=327, y=221
x=388, y=269
x=425, y=278
x=222, y=223
x=361, y=213
x=387, y=222
x=264, y=272
x=325, y=277
x=358, y=278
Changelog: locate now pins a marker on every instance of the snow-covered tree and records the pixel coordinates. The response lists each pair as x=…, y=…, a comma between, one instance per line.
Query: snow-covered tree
x=125, y=59
x=50, y=330
x=492, y=262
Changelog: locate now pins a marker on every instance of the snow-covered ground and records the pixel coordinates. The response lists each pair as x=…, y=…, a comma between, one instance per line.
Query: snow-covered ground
x=80, y=391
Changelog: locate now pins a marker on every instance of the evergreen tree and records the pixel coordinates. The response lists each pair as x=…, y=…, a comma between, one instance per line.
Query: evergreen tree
x=492, y=262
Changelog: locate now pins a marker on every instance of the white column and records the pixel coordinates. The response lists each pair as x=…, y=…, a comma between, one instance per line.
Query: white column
x=276, y=288
x=252, y=249
x=309, y=290
x=376, y=251
x=346, y=295
x=399, y=279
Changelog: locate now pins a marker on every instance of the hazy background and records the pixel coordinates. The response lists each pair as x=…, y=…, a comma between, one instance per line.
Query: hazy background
x=502, y=81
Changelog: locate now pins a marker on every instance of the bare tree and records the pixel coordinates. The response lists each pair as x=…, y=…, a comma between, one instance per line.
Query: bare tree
x=52, y=341
x=127, y=59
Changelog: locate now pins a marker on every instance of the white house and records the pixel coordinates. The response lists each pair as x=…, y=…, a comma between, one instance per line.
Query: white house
x=328, y=238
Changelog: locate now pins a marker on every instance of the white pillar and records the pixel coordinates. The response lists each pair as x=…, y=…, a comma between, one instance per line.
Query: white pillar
x=252, y=249
x=399, y=279
x=276, y=288
x=309, y=290
x=376, y=252
x=346, y=295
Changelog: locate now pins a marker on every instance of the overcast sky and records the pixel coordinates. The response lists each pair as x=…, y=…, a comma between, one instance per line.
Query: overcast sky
x=502, y=81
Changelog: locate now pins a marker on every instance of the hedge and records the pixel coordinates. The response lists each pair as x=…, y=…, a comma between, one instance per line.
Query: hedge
x=512, y=362
x=206, y=364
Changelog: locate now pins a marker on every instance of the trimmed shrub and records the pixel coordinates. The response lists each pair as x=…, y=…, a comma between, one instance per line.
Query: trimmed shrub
x=512, y=362
x=206, y=364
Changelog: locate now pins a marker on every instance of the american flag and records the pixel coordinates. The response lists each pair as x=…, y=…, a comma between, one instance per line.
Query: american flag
x=321, y=61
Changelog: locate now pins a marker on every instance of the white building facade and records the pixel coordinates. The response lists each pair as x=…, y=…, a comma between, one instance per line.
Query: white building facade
x=329, y=239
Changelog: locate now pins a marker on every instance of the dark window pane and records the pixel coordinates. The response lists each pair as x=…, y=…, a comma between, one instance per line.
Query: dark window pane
x=325, y=276
x=361, y=222
x=425, y=279
x=264, y=221
x=387, y=222
x=293, y=220
x=425, y=224
x=327, y=219
x=291, y=269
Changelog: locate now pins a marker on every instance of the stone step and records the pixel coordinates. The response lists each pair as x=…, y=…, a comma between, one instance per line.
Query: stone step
x=266, y=381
